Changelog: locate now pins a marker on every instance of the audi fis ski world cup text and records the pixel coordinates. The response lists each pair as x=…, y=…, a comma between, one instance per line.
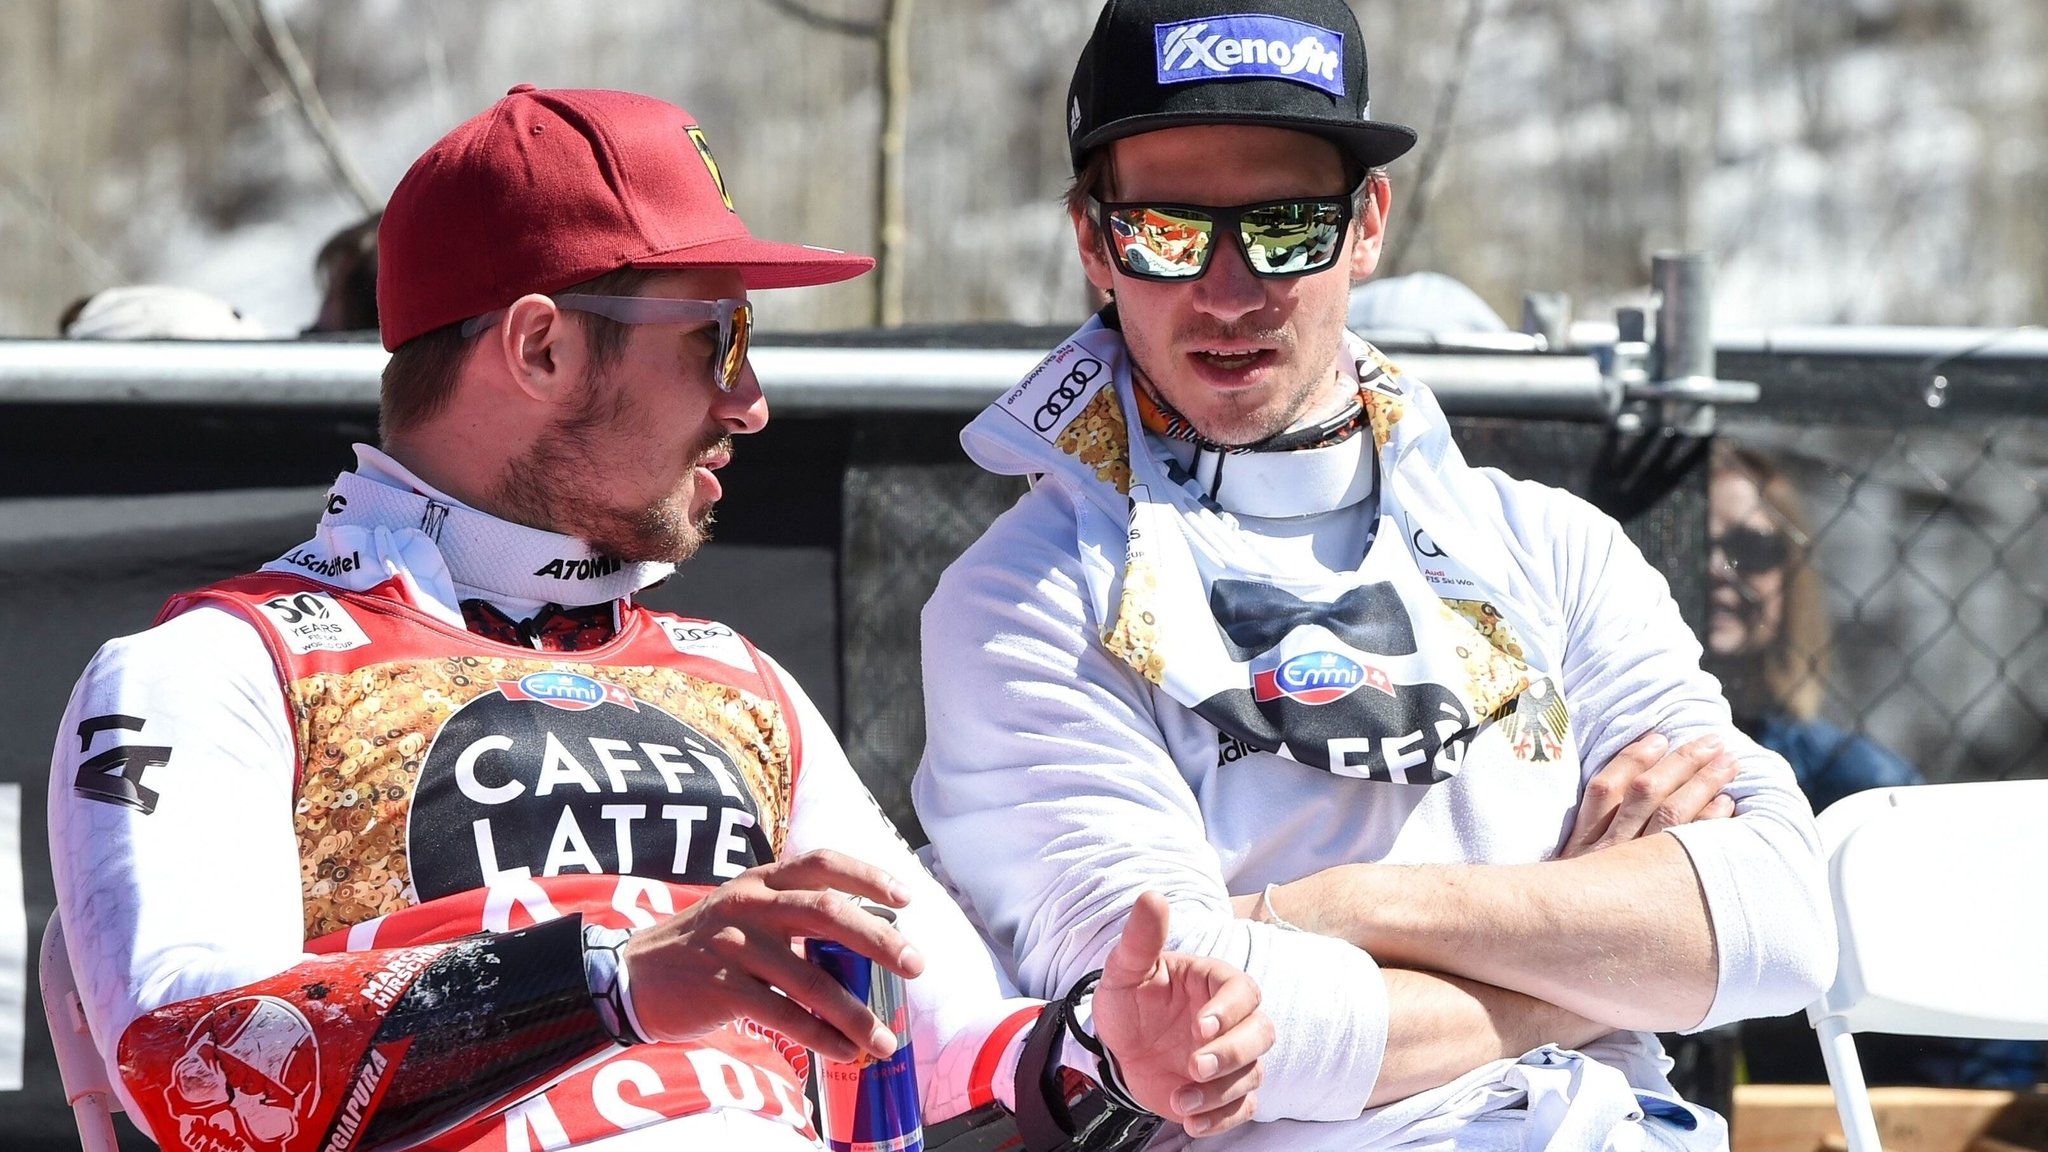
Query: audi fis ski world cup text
x=1046, y=409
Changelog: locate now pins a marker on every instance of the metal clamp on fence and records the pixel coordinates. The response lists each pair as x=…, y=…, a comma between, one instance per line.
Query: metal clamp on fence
x=1671, y=383
x=1666, y=388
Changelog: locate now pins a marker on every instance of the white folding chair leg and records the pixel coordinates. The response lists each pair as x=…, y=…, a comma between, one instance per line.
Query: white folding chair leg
x=1845, y=1075
x=84, y=1074
x=95, y=1122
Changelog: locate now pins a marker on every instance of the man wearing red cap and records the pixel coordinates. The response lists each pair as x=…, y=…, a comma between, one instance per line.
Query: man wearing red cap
x=426, y=834
x=1426, y=750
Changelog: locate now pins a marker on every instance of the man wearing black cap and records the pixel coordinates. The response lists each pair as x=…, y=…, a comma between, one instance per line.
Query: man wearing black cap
x=427, y=834
x=1402, y=737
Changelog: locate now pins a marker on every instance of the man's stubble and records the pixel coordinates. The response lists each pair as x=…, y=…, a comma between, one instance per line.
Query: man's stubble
x=557, y=484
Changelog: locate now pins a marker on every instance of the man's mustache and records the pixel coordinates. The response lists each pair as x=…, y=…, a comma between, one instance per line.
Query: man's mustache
x=720, y=446
x=1237, y=334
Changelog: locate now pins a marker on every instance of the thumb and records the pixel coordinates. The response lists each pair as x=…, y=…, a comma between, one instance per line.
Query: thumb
x=1137, y=951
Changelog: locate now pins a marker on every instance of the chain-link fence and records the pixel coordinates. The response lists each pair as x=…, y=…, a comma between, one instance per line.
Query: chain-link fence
x=1866, y=562
x=911, y=504
x=1891, y=582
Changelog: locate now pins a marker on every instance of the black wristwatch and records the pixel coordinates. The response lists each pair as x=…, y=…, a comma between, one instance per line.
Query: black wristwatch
x=1102, y=1118
x=1057, y=1110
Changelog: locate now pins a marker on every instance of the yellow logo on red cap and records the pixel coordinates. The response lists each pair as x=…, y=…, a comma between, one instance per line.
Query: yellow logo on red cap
x=710, y=163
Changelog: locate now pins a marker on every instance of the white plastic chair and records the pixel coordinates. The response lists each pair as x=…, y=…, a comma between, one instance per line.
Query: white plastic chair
x=92, y=1098
x=1937, y=892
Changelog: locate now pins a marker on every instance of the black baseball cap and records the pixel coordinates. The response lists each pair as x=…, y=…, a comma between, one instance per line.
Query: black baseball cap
x=1296, y=64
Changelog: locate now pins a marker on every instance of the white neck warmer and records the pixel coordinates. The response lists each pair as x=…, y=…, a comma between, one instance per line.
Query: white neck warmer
x=502, y=560
x=1281, y=485
x=1395, y=670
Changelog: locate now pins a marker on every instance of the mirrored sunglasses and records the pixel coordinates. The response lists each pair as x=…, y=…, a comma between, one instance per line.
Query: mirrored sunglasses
x=1752, y=549
x=1176, y=241
x=735, y=323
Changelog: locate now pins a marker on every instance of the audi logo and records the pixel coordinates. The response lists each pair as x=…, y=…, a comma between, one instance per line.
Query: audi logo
x=1063, y=395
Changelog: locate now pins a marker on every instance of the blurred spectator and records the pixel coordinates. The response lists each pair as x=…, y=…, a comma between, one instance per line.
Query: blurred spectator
x=1420, y=302
x=1767, y=632
x=346, y=271
x=1768, y=640
x=155, y=312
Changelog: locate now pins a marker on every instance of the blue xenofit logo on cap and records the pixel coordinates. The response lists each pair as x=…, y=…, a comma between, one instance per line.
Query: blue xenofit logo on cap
x=1231, y=47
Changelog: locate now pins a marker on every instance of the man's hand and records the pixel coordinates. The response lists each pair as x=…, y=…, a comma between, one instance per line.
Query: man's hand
x=723, y=958
x=1186, y=1031
x=1649, y=787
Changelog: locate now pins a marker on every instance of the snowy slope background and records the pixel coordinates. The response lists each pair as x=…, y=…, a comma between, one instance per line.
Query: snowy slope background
x=1865, y=161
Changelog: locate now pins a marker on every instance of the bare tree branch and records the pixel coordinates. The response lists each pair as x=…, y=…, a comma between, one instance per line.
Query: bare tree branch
x=37, y=207
x=244, y=38
x=314, y=110
x=284, y=72
x=1438, y=142
x=891, y=232
x=798, y=10
x=891, y=34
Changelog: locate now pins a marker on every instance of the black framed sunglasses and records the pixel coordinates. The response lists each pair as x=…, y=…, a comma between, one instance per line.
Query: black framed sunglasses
x=1279, y=238
x=1753, y=550
x=735, y=322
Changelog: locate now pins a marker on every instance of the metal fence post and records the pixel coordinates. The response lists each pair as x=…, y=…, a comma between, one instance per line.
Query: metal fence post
x=1682, y=356
x=1684, y=284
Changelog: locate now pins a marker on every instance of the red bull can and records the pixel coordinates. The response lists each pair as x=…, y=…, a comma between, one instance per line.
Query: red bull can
x=869, y=1105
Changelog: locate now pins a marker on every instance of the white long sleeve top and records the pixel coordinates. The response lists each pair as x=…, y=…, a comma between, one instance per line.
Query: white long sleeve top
x=203, y=893
x=1057, y=784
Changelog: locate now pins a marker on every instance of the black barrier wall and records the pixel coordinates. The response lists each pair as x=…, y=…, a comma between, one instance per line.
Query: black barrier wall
x=831, y=535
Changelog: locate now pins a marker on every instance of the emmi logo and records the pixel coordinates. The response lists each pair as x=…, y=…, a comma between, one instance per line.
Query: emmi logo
x=567, y=691
x=1318, y=678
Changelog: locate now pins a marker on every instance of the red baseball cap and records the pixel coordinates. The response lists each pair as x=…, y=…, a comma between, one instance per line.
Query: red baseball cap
x=551, y=187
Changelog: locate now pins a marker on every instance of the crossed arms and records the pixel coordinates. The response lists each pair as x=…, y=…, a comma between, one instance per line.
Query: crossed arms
x=1056, y=785
x=1488, y=961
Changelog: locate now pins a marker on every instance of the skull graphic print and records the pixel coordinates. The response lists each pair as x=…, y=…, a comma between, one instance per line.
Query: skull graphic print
x=249, y=1075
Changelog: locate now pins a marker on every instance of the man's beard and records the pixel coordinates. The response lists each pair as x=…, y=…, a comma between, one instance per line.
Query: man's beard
x=554, y=485
x=1287, y=404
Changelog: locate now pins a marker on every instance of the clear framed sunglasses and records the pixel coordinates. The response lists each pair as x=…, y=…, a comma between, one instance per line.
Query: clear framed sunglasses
x=1279, y=238
x=735, y=322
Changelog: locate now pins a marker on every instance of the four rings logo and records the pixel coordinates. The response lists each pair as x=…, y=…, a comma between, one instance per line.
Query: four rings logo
x=1070, y=388
x=706, y=638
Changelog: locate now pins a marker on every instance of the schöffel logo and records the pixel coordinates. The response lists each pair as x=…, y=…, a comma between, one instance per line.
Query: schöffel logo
x=329, y=566
x=1217, y=47
x=1318, y=678
x=568, y=691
